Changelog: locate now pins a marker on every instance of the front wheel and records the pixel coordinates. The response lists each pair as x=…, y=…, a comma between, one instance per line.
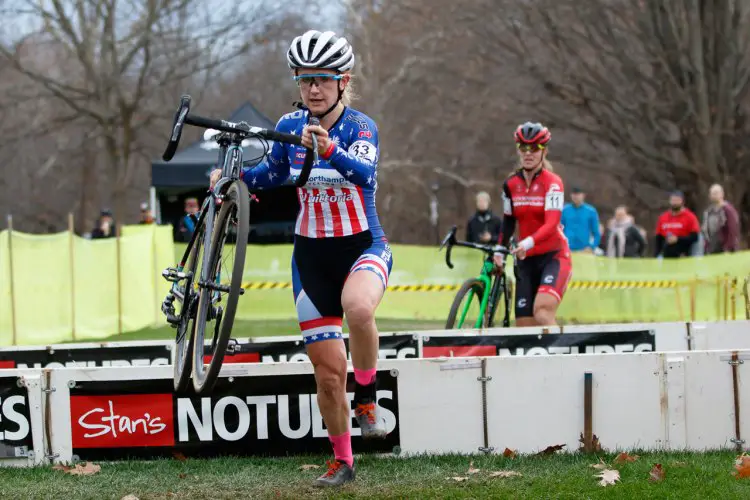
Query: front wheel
x=221, y=286
x=466, y=310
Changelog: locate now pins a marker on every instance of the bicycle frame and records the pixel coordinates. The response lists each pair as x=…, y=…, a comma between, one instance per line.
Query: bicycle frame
x=230, y=158
x=489, y=296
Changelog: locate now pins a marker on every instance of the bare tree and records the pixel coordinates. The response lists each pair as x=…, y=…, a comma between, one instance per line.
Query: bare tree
x=664, y=83
x=109, y=67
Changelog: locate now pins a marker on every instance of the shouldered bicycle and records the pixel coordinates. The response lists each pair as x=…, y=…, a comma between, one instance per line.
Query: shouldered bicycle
x=207, y=282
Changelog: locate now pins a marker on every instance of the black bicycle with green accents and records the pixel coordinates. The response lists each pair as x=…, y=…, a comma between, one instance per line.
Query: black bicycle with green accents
x=479, y=299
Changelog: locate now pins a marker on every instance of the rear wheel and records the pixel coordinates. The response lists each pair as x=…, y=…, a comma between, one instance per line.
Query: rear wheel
x=466, y=306
x=221, y=287
x=183, y=358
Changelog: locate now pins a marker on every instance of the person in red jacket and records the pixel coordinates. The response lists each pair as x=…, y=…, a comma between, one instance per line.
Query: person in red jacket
x=676, y=229
x=533, y=199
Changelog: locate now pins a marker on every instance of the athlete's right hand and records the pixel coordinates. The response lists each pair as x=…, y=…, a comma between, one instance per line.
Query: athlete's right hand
x=215, y=176
x=499, y=261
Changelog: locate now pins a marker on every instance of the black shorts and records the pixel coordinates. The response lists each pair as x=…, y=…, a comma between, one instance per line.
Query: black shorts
x=546, y=273
x=320, y=267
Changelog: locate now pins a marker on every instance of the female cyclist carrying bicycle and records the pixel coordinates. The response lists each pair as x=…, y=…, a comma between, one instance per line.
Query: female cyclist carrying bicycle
x=533, y=200
x=337, y=235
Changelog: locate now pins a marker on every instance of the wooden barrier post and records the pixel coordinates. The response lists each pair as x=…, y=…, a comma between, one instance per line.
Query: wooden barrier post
x=118, y=257
x=726, y=296
x=680, y=310
x=71, y=249
x=693, y=289
x=588, y=414
x=156, y=273
x=733, y=303
x=13, y=320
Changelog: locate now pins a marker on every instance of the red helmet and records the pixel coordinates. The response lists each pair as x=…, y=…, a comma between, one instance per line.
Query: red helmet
x=532, y=133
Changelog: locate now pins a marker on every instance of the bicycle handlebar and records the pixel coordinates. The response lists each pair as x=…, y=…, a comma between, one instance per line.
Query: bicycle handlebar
x=450, y=241
x=182, y=117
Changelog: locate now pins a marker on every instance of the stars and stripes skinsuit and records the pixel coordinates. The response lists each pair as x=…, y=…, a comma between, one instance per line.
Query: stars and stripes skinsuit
x=337, y=231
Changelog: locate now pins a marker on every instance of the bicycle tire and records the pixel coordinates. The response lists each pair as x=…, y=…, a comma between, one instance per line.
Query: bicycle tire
x=472, y=285
x=183, y=354
x=501, y=289
x=236, y=196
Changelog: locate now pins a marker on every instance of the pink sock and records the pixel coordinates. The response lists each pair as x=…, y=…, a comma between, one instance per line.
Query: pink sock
x=364, y=377
x=342, y=447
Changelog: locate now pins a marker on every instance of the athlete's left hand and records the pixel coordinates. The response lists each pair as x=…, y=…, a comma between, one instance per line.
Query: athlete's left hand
x=323, y=140
x=519, y=253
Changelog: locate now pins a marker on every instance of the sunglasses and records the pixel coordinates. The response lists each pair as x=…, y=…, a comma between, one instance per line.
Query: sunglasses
x=306, y=81
x=530, y=148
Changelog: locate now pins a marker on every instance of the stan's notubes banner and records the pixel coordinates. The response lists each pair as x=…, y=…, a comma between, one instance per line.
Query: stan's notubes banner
x=15, y=421
x=271, y=415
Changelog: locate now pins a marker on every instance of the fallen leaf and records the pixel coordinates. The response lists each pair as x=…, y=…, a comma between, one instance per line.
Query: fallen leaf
x=129, y=497
x=309, y=466
x=678, y=464
x=459, y=479
x=182, y=475
x=742, y=464
x=656, y=474
x=86, y=469
x=505, y=473
x=600, y=466
x=625, y=457
x=608, y=476
x=595, y=445
x=472, y=470
x=179, y=456
x=549, y=450
x=508, y=453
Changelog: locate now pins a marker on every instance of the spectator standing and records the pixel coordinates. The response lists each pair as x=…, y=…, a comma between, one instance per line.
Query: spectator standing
x=623, y=238
x=146, y=217
x=484, y=226
x=580, y=223
x=188, y=221
x=105, y=225
x=676, y=229
x=721, y=224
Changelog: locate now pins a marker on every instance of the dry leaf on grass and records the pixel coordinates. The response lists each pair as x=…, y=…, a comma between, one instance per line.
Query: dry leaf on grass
x=508, y=453
x=742, y=464
x=458, y=479
x=600, y=466
x=85, y=469
x=608, y=476
x=625, y=457
x=182, y=475
x=309, y=466
x=179, y=456
x=656, y=474
x=505, y=473
x=678, y=464
x=595, y=444
x=472, y=470
x=129, y=497
x=549, y=450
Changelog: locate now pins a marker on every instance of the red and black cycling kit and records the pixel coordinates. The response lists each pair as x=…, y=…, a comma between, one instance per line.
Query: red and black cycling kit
x=537, y=207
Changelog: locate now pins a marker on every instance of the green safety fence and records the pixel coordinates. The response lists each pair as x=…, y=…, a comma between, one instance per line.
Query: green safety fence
x=602, y=289
x=68, y=288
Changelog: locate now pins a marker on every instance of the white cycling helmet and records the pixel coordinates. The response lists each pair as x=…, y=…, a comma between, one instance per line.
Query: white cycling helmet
x=320, y=50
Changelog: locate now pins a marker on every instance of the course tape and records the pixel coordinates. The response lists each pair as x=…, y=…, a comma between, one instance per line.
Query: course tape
x=574, y=285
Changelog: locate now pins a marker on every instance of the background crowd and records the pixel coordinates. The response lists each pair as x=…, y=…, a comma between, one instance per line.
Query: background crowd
x=679, y=232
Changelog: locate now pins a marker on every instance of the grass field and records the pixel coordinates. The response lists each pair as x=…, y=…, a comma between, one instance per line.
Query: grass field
x=269, y=328
x=687, y=475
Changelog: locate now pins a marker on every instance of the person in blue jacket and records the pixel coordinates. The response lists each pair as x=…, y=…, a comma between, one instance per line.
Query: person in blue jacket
x=580, y=223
